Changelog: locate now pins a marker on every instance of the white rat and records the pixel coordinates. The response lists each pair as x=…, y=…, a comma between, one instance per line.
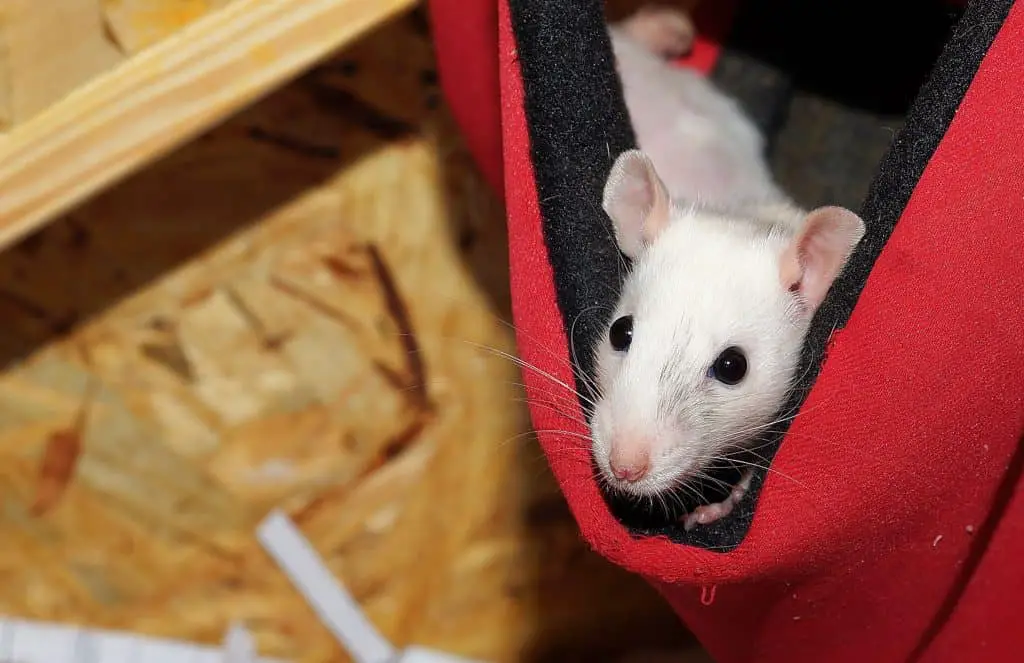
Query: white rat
x=702, y=349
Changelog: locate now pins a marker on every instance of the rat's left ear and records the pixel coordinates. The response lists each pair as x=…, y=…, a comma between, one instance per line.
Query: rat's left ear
x=637, y=202
x=819, y=252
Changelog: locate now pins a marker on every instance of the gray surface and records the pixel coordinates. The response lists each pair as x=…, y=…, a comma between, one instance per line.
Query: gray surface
x=827, y=154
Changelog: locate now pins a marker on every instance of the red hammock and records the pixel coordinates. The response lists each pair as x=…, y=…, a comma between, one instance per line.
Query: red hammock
x=899, y=533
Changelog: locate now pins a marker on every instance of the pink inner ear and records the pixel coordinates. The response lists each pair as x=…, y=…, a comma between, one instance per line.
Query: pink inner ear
x=790, y=271
x=813, y=261
x=819, y=253
x=657, y=218
x=637, y=202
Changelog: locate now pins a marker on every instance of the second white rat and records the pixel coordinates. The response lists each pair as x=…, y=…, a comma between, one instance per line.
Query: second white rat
x=702, y=349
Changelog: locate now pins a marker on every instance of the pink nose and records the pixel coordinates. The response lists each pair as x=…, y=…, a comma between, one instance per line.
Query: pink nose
x=629, y=464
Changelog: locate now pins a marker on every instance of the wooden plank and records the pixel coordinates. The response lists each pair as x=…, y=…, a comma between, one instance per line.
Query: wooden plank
x=6, y=72
x=166, y=95
x=48, y=49
x=138, y=24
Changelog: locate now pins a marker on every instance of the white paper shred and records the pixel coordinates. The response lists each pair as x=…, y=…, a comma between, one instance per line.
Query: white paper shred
x=338, y=611
x=28, y=641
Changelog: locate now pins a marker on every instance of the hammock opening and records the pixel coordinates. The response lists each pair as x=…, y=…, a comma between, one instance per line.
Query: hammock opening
x=830, y=86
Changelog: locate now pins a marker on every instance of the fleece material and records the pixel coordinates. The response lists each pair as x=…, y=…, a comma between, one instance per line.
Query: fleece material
x=891, y=524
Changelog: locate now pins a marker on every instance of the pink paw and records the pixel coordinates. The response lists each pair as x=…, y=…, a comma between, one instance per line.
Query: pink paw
x=709, y=513
x=667, y=31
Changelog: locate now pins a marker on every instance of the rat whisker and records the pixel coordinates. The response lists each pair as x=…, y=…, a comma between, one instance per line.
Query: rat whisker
x=684, y=484
x=694, y=492
x=558, y=409
x=513, y=359
x=682, y=507
x=672, y=501
x=769, y=469
x=589, y=381
x=517, y=331
x=609, y=229
x=529, y=433
x=567, y=433
x=750, y=432
x=541, y=346
x=564, y=400
x=662, y=505
x=706, y=476
x=718, y=548
x=536, y=370
x=551, y=407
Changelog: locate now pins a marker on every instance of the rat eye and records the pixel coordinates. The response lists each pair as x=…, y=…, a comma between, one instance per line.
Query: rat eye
x=730, y=367
x=621, y=333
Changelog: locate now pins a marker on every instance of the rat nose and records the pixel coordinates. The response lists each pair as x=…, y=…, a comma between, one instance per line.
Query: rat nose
x=629, y=462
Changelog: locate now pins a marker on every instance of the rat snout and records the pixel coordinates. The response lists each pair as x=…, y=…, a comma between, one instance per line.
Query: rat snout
x=630, y=459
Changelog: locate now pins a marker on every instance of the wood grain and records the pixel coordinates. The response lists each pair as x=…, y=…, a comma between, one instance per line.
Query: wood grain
x=165, y=95
x=138, y=24
x=47, y=49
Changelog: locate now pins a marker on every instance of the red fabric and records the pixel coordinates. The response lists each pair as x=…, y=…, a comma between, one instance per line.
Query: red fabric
x=465, y=37
x=713, y=21
x=894, y=489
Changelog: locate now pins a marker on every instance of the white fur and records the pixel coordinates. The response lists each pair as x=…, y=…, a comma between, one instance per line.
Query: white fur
x=706, y=284
x=709, y=281
x=703, y=145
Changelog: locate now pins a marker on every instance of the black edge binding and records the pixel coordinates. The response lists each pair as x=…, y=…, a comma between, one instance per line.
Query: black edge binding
x=578, y=124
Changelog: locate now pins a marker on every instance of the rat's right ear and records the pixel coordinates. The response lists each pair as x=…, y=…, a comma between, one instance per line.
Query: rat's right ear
x=637, y=202
x=820, y=250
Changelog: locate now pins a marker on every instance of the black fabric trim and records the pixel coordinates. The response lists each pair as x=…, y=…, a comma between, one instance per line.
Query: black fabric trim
x=578, y=124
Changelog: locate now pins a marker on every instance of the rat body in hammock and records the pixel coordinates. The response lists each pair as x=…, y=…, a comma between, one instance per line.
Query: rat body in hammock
x=702, y=348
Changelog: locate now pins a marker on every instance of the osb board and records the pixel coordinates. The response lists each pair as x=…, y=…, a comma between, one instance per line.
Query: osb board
x=304, y=309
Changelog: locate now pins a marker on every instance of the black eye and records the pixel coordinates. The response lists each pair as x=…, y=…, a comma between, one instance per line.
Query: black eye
x=730, y=366
x=621, y=333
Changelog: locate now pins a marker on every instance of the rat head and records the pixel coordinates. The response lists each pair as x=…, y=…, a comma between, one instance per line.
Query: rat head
x=702, y=347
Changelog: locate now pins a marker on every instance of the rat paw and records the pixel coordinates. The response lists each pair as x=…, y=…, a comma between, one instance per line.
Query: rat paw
x=705, y=515
x=709, y=513
x=667, y=31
